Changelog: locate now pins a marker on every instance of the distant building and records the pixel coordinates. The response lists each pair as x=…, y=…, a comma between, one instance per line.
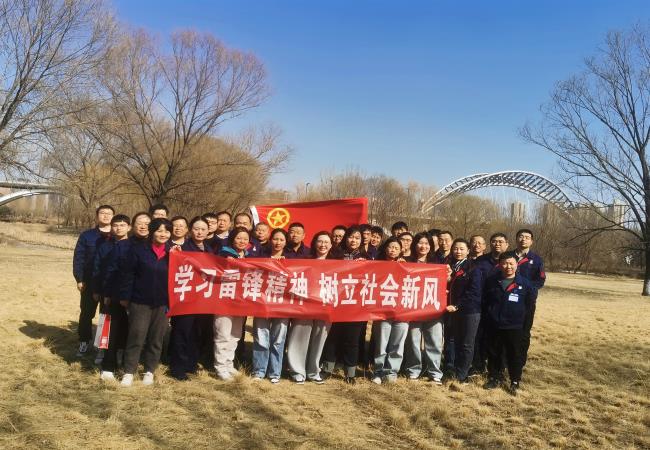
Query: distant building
x=518, y=212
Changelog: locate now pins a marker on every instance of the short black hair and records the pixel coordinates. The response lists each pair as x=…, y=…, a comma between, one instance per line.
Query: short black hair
x=222, y=213
x=198, y=219
x=209, y=215
x=365, y=227
x=507, y=255
x=398, y=225
x=250, y=219
x=440, y=233
x=296, y=225
x=339, y=227
x=381, y=253
x=139, y=214
x=260, y=223
x=377, y=230
x=499, y=234
x=524, y=230
x=99, y=208
x=156, y=207
x=233, y=234
x=121, y=218
x=175, y=218
x=434, y=232
x=157, y=223
x=460, y=241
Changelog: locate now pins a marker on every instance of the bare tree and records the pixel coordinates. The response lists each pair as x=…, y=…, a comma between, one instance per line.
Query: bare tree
x=47, y=48
x=598, y=125
x=75, y=156
x=168, y=102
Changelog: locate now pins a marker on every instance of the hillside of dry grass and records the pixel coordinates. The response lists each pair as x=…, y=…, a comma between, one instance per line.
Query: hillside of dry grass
x=587, y=384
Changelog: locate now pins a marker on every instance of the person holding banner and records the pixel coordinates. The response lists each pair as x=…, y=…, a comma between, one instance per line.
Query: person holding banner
x=389, y=335
x=228, y=330
x=189, y=330
x=307, y=337
x=422, y=251
x=344, y=337
x=143, y=291
x=269, y=334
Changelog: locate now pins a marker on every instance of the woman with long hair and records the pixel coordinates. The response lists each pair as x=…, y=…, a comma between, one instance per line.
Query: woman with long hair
x=389, y=334
x=345, y=337
x=143, y=291
x=190, y=331
x=307, y=337
x=429, y=331
x=463, y=311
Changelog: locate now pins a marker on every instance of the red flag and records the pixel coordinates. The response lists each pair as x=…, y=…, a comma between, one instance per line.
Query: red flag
x=315, y=216
x=330, y=290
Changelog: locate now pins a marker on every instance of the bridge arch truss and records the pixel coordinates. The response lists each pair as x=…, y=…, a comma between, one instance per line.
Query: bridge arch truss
x=527, y=181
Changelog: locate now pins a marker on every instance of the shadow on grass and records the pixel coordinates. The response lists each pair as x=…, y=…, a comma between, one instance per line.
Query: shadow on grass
x=61, y=341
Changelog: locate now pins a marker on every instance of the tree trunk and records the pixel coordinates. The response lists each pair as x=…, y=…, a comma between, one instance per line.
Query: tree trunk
x=646, y=277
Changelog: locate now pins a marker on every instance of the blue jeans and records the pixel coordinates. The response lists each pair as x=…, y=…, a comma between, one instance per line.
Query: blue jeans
x=269, y=336
x=389, y=348
x=414, y=363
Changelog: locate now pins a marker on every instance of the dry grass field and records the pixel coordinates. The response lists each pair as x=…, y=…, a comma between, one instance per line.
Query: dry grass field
x=587, y=384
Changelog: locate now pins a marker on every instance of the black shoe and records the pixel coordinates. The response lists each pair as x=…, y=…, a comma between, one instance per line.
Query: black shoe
x=514, y=387
x=325, y=375
x=180, y=377
x=464, y=380
x=350, y=380
x=492, y=383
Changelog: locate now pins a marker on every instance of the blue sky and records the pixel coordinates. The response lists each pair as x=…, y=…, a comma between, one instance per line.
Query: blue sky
x=421, y=91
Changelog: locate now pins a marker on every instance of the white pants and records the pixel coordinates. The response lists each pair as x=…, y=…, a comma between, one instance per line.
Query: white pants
x=227, y=332
x=305, y=346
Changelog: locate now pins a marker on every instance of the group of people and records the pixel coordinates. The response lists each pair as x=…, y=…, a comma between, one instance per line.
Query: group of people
x=122, y=266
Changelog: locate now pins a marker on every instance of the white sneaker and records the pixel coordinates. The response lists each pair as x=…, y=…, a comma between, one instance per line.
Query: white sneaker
x=83, y=348
x=99, y=357
x=275, y=380
x=224, y=376
x=127, y=380
x=147, y=379
x=376, y=380
x=105, y=375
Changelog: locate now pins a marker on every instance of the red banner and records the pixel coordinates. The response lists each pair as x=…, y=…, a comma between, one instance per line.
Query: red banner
x=331, y=290
x=315, y=216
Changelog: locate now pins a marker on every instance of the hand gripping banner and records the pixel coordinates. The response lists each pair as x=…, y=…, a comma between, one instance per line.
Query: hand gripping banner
x=330, y=290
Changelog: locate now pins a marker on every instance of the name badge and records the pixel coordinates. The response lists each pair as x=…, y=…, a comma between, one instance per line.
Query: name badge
x=513, y=298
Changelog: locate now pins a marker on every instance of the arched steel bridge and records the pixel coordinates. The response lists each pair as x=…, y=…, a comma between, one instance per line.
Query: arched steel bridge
x=520, y=179
x=26, y=190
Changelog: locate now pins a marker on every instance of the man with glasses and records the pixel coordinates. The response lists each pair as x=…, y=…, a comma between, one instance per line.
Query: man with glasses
x=530, y=266
x=488, y=264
